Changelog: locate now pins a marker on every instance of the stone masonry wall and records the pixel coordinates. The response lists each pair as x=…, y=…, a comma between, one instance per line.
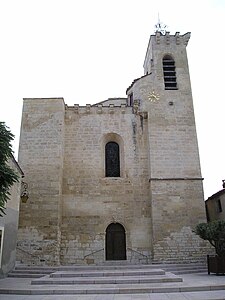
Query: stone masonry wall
x=177, y=209
x=41, y=158
x=92, y=201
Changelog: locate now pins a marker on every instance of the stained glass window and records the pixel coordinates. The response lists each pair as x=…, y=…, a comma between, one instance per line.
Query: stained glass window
x=112, y=160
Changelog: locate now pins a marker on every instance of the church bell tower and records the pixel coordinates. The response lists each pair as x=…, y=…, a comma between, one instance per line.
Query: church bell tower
x=164, y=97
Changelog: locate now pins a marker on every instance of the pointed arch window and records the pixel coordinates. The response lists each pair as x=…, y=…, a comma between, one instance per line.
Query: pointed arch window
x=169, y=73
x=112, y=160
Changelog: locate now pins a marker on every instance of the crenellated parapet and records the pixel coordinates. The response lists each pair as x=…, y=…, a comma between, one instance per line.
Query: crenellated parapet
x=169, y=39
x=163, y=44
x=98, y=109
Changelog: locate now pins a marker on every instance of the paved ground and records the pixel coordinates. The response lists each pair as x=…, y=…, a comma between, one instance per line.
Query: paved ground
x=216, y=295
x=189, y=280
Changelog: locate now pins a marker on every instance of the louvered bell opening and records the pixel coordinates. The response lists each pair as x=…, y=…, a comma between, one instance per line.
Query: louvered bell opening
x=169, y=73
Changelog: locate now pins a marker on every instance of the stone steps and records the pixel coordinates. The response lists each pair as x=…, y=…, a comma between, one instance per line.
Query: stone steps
x=122, y=276
x=180, y=269
x=98, y=289
x=30, y=272
x=190, y=271
x=107, y=280
x=23, y=271
x=26, y=275
x=80, y=280
x=107, y=273
x=112, y=266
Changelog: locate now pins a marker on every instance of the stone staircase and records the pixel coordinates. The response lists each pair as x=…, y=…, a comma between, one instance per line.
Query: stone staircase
x=107, y=279
x=90, y=279
x=180, y=269
x=21, y=271
x=24, y=271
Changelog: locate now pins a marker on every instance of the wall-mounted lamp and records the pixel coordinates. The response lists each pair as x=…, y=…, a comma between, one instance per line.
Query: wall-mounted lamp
x=24, y=192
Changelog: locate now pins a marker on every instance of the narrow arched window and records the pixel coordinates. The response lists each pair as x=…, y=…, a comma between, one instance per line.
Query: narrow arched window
x=169, y=73
x=112, y=160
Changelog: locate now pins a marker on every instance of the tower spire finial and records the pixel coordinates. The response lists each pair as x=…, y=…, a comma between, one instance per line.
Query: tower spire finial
x=160, y=27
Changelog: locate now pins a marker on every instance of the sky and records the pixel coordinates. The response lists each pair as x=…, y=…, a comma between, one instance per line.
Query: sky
x=87, y=51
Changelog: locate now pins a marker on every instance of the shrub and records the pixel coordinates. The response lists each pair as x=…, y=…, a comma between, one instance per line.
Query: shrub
x=214, y=232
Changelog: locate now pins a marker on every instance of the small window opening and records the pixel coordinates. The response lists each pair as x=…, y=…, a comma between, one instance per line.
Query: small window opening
x=131, y=99
x=1, y=244
x=219, y=206
x=112, y=160
x=207, y=213
x=169, y=73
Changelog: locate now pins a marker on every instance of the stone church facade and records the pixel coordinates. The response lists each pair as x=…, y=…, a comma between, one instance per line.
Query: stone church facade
x=116, y=180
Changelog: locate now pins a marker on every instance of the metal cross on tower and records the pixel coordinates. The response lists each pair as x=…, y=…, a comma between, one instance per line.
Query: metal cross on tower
x=160, y=27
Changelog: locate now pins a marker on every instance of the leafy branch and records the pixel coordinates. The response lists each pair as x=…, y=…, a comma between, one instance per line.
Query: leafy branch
x=214, y=232
x=7, y=174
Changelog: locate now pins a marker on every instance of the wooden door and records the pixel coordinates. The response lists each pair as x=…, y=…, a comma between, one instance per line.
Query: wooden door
x=115, y=242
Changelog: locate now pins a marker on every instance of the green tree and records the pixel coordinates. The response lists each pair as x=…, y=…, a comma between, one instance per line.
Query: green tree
x=7, y=174
x=214, y=232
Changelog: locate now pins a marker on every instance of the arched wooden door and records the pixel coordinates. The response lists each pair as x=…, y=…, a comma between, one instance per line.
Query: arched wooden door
x=115, y=242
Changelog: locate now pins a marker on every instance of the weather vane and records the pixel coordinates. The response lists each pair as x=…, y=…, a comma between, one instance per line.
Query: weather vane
x=160, y=27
